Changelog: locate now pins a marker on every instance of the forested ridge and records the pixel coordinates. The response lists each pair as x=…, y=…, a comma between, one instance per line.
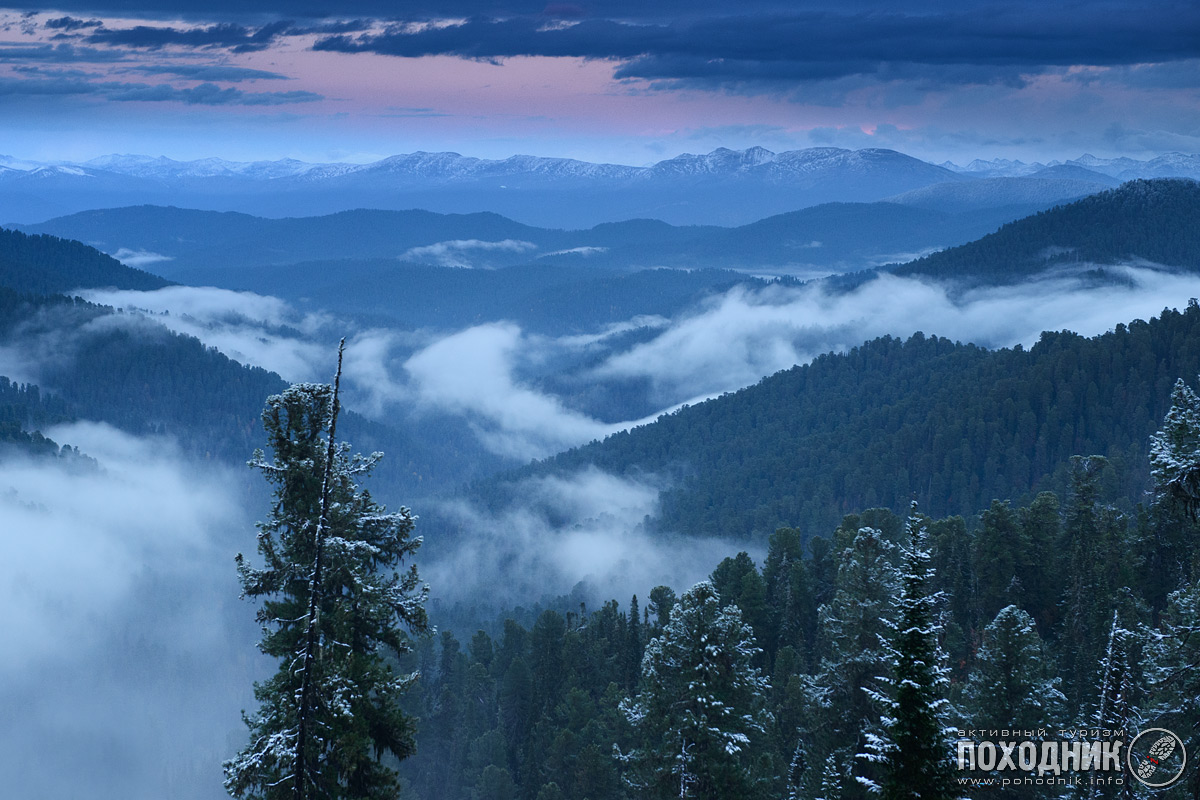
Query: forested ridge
x=128, y=370
x=205, y=243
x=1151, y=220
x=46, y=264
x=948, y=424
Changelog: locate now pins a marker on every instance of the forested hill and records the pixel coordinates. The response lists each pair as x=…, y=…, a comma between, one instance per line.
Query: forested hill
x=92, y=362
x=1154, y=220
x=214, y=248
x=47, y=264
x=953, y=426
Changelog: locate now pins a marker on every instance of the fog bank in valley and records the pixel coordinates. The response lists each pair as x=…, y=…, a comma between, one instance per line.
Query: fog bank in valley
x=588, y=526
x=128, y=654
x=492, y=374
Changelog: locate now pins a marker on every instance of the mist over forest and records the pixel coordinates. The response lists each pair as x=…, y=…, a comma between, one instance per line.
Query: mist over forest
x=585, y=419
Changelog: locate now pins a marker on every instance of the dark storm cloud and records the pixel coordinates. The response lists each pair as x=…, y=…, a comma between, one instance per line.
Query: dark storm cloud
x=389, y=9
x=816, y=45
x=206, y=94
x=334, y=26
x=212, y=73
x=239, y=38
x=224, y=35
x=209, y=94
x=72, y=24
x=928, y=44
x=1172, y=75
x=698, y=70
x=60, y=54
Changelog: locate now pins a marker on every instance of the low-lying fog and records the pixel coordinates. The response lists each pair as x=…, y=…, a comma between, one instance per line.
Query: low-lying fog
x=128, y=654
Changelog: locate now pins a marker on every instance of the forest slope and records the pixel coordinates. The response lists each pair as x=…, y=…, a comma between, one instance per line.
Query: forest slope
x=47, y=264
x=1143, y=220
x=951, y=425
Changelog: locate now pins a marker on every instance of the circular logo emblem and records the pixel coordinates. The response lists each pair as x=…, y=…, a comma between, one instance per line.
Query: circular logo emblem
x=1156, y=758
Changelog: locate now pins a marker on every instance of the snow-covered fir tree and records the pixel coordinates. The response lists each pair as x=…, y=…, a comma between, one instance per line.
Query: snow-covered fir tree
x=1115, y=709
x=335, y=603
x=1175, y=451
x=1174, y=678
x=700, y=706
x=1115, y=706
x=915, y=747
x=1011, y=683
x=1093, y=540
x=1172, y=650
x=852, y=627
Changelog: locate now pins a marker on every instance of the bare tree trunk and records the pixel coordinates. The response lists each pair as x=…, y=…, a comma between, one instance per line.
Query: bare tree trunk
x=300, y=774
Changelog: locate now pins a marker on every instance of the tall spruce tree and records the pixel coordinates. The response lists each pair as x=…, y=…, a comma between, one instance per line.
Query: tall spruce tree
x=1012, y=684
x=915, y=748
x=852, y=626
x=335, y=604
x=1174, y=655
x=1173, y=649
x=700, y=713
x=1115, y=707
x=1175, y=451
x=1092, y=539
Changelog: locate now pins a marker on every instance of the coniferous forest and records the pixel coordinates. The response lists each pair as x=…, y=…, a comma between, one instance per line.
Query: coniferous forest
x=819, y=474
x=947, y=539
x=1061, y=613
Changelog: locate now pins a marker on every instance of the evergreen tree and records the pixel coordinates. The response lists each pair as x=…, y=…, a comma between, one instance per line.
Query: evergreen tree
x=837, y=709
x=1175, y=451
x=1000, y=547
x=700, y=705
x=335, y=605
x=1041, y=527
x=1012, y=684
x=915, y=749
x=1174, y=651
x=792, y=612
x=737, y=582
x=632, y=652
x=1092, y=540
x=1115, y=706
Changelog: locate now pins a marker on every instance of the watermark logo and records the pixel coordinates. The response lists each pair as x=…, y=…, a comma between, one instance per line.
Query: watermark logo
x=1156, y=758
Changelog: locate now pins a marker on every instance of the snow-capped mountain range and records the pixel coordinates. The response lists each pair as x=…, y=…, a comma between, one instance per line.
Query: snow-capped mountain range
x=452, y=166
x=726, y=187
x=1168, y=165
x=722, y=161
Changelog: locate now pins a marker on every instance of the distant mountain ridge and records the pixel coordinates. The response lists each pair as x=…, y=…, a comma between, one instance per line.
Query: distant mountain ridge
x=720, y=161
x=996, y=193
x=725, y=186
x=1167, y=165
x=450, y=165
x=194, y=246
x=1143, y=220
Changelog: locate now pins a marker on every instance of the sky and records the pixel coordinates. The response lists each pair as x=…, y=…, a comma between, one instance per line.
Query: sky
x=613, y=81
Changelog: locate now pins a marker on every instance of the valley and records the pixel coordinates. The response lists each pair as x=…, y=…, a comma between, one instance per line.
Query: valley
x=578, y=415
